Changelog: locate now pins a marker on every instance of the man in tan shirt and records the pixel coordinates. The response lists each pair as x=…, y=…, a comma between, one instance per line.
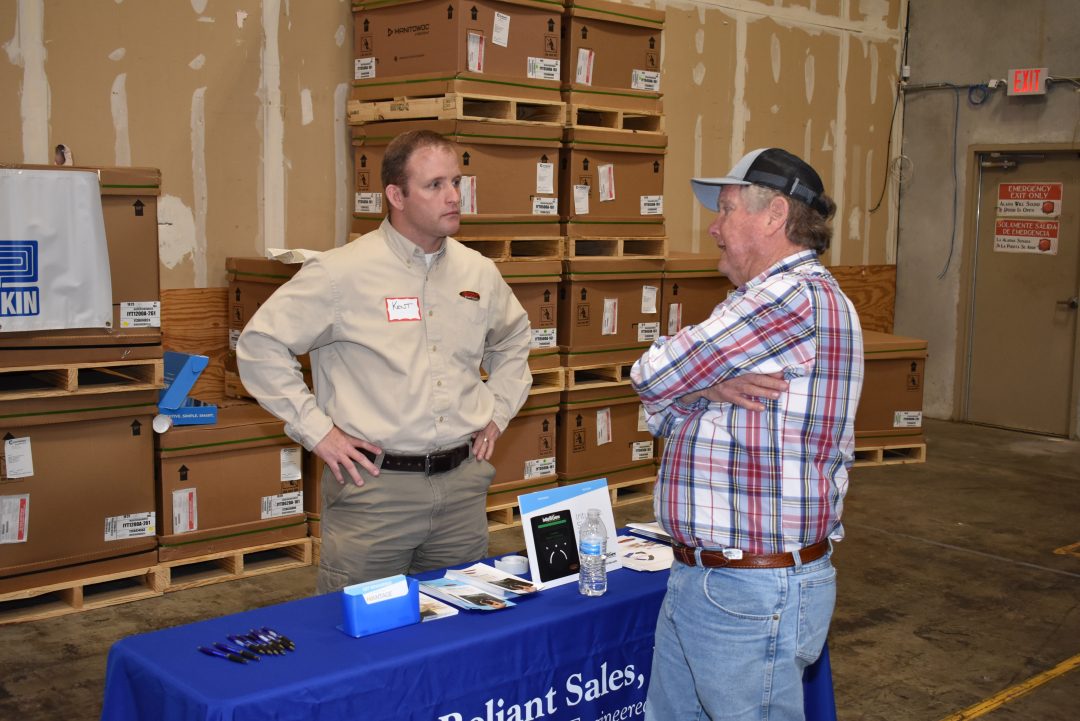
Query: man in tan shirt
x=398, y=324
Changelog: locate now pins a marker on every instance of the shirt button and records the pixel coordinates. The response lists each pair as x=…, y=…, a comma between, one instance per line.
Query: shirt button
x=438, y=383
x=441, y=419
x=434, y=348
x=431, y=313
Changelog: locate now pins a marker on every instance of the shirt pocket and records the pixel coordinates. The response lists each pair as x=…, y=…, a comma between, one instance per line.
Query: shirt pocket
x=469, y=323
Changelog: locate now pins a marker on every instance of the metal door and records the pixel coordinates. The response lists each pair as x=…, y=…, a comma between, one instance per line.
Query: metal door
x=1026, y=281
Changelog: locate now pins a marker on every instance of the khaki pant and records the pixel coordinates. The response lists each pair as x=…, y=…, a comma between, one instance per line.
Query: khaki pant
x=402, y=522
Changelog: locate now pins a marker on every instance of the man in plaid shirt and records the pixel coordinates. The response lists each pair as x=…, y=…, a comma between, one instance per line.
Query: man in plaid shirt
x=757, y=408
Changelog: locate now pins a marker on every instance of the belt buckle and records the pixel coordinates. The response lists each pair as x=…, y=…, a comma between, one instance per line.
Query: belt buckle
x=427, y=464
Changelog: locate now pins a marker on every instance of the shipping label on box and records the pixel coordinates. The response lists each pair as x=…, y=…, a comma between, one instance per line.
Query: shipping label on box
x=539, y=467
x=907, y=419
x=131, y=525
x=544, y=338
x=641, y=450
x=185, y=510
x=285, y=504
x=145, y=314
x=15, y=518
x=18, y=460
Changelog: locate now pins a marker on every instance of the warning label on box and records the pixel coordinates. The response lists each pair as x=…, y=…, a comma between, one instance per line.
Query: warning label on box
x=1015, y=235
x=1029, y=200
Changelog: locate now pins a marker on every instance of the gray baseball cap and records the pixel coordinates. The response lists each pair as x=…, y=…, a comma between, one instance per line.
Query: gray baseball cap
x=770, y=167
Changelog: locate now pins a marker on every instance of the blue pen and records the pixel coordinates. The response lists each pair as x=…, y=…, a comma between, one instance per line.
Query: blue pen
x=248, y=643
x=222, y=654
x=241, y=652
x=278, y=637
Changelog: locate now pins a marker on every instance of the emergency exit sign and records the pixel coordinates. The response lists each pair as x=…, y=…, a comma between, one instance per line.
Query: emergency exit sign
x=1028, y=81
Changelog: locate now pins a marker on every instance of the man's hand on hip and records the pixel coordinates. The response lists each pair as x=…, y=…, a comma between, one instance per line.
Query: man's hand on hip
x=338, y=449
x=744, y=391
x=484, y=442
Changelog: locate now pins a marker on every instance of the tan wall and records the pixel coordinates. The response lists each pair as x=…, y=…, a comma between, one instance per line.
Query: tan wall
x=241, y=106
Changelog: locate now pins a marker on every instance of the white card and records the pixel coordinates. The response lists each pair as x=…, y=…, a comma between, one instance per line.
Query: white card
x=603, y=426
x=468, y=194
x=290, y=464
x=606, y=177
x=140, y=314
x=648, y=298
x=15, y=518
x=674, y=319
x=18, y=458
x=500, y=33
x=652, y=205
x=545, y=178
x=581, y=200
x=399, y=309
x=364, y=69
x=185, y=510
x=583, y=74
x=610, y=325
x=368, y=203
x=474, y=52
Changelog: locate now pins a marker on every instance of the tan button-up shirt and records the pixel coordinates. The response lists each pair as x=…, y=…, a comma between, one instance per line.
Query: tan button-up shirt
x=396, y=348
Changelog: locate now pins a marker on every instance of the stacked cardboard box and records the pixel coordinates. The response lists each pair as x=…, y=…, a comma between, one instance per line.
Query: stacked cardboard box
x=890, y=408
x=76, y=407
x=692, y=288
x=231, y=485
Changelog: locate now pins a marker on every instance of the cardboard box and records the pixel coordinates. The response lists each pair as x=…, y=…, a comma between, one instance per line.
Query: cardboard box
x=634, y=474
x=420, y=43
x=129, y=205
x=91, y=492
x=251, y=283
x=536, y=286
x=624, y=291
x=313, y=473
x=231, y=485
x=890, y=407
x=526, y=449
x=502, y=158
x=600, y=429
x=624, y=175
x=692, y=288
x=611, y=53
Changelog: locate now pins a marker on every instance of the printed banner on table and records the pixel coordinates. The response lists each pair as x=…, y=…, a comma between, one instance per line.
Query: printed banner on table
x=54, y=261
x=1015, y=235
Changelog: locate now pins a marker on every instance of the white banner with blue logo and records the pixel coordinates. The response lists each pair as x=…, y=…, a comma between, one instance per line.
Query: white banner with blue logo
x=54, y=261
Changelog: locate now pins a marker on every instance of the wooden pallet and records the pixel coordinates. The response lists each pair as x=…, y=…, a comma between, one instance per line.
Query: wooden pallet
x=59, y=599
x=71, y=379
x=598, y=375
x=617, y=247
x=584, y=115
x=232, y=565
x=633, y=491
x=500, y=249
x=459, y=106
x=548, y=380
x=503, y=516
x=890, y=454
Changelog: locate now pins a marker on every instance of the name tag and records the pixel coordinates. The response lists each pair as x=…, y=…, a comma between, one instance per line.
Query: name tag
x=399, y=309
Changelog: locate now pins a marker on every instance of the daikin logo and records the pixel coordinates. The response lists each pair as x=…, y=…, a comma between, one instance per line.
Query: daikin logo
x=18, y=269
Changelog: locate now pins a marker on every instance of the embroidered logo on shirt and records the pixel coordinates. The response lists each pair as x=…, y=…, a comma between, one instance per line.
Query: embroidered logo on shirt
x=470, y=295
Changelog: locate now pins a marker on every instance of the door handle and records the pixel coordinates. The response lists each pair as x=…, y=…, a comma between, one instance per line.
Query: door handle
x=1072, y=303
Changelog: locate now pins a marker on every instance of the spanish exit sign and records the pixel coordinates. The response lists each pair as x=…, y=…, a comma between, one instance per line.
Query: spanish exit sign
x=1028, y=81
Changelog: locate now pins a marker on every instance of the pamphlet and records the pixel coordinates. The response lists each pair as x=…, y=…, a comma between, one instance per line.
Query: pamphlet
x=649, y=530
x=464, y=595
x=432, y=609
x=496, y=582
x=641, y=554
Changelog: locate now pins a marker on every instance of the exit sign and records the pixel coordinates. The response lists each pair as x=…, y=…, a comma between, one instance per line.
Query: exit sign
x=1028, y=81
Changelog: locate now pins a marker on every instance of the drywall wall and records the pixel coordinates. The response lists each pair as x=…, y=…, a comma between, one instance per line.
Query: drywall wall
x=242, y=107
x=997, y=35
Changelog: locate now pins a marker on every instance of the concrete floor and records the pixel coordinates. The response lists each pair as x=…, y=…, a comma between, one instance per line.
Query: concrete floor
x=950, y=592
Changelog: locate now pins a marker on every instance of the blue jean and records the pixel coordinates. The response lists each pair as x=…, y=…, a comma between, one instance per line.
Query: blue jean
x=731, y=644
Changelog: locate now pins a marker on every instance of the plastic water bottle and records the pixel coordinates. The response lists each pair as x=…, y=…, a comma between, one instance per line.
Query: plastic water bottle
x=592, y=551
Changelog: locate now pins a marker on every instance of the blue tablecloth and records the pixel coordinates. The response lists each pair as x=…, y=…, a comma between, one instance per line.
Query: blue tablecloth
x=556, y=655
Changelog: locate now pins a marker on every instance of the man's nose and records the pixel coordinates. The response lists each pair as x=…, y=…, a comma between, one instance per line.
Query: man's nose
x=714, y=227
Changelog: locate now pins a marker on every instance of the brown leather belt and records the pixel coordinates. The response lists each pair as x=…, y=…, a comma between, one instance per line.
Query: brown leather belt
x=430, y=464
x=717, y=559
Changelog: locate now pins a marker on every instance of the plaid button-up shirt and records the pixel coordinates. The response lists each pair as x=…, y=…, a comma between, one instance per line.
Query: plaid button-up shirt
x=769, y=481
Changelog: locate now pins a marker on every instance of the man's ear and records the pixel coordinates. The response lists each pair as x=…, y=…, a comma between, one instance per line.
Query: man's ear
x=777, y=212
x=396, y=196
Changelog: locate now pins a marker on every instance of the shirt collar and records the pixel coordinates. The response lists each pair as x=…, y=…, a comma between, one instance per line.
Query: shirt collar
x=404, y=248
x=791, y=263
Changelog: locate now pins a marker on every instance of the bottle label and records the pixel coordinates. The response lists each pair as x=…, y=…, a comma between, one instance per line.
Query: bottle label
x=590, y=548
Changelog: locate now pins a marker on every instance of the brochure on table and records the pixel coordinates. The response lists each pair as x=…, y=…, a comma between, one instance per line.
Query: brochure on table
x=550, y=521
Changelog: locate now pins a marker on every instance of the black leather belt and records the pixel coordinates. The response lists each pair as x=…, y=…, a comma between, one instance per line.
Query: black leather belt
x=430, y=464
x=717, y=559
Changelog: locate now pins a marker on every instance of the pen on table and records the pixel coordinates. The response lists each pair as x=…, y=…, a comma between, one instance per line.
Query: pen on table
x=222, y=654
x=274, y=634
x=268, y=643
x=249, y=643
x=241, y=652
